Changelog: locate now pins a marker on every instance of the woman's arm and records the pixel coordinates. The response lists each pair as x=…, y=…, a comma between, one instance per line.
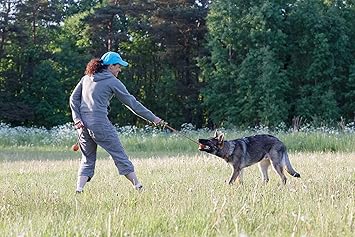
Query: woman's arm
x=132, y=103
x=75, y=102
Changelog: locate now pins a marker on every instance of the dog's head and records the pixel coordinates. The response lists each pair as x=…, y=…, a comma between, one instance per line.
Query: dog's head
x=212, y=145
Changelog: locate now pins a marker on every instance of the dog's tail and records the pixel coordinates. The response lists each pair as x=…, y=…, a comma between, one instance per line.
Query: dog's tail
x=288, y=165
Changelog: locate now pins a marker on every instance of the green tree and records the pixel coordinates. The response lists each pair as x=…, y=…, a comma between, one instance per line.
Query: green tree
x=142, y=78
x=178, y=28
x=262, y=99
x=349, y=105
x=45, y=95
x=320, y=51
x=247, y=84
x=149, y=33
x=272, y=61
x=72, y=52
x=34, y=27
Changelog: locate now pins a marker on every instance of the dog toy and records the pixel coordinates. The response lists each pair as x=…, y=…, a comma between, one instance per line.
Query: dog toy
x=201, y=146
x=75, y=147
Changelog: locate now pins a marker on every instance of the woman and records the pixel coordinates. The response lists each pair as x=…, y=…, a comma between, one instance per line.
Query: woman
x=89, y=105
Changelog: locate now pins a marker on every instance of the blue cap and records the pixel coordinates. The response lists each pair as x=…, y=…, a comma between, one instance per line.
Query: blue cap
x=113, y=58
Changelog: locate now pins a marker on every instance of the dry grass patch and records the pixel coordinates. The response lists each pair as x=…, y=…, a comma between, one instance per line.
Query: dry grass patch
x=183, y=196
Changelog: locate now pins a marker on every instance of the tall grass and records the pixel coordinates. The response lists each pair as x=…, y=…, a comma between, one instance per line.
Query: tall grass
x=183, y=196
x=185, y=193
x=148, y=141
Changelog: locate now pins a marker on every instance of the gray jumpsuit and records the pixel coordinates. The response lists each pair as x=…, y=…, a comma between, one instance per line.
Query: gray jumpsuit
x=89, y=103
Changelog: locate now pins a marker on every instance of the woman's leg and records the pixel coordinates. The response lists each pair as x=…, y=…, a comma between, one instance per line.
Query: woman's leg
x=134, y=180
x=112, y=144
x=82, y=180
x=88, y=159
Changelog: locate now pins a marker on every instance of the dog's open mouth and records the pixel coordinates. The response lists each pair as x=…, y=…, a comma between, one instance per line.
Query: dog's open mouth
x=202, y=147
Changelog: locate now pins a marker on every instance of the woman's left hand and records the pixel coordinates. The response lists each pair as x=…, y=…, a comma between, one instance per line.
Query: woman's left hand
x=78, y=125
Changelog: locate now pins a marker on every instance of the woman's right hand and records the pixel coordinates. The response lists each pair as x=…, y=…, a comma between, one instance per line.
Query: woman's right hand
x=160, y=122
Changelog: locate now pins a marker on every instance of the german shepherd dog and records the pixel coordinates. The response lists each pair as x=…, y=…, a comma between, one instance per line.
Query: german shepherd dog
x=246, y=151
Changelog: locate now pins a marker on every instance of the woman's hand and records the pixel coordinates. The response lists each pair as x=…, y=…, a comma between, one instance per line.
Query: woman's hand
x=159, y=122
x=78, y=125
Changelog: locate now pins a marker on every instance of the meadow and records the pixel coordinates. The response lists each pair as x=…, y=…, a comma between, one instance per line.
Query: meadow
x=185, y=193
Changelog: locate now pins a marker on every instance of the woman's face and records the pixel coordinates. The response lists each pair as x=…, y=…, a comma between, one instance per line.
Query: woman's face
x=115, y=69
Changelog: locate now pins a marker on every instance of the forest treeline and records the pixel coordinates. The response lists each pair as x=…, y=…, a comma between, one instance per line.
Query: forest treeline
x=210, y=63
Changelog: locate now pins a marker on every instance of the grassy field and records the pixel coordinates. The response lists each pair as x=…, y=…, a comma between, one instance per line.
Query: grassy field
x=185, y=195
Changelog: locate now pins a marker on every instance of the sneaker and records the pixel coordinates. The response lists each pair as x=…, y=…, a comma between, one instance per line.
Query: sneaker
x=139, y=187
x=78, y=192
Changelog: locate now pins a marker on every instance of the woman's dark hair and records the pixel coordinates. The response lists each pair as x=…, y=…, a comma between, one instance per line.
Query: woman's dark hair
x=94, y=66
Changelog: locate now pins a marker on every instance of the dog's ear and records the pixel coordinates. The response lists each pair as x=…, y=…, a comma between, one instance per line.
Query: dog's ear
x=220, y=138
x=216, y=133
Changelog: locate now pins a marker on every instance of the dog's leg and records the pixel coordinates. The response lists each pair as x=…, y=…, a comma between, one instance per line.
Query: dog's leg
x=235, y=175
x=263, y=167
x=240, y=177
x=276, y=161
x=279, y=170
